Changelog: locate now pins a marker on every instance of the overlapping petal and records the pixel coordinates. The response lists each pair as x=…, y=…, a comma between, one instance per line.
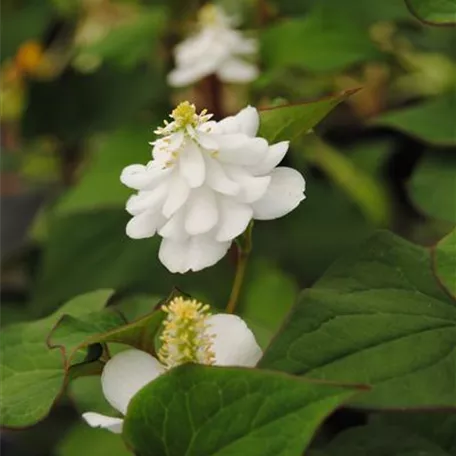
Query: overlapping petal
x=216, y=48
x=202, y=195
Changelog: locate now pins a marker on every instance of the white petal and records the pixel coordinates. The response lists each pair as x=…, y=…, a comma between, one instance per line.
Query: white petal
x=175, y=227
x=234, y=343
x=175, y=140
x=148, y=200
x=240, y=149
x=202, y=212
x=252, y=187
x=125, y=374
x=234, y=219
x=194, y=254
x=236, y=70
x=217, y=178
x=283, y=195
x=229, y=125
x=110, y=423
x=208, y=141
x=144, y=225
x=191, y=165
x=183, y=76
x=274, y=156
x=177, y=196
x=249, y=121
x=141, y=177
x=205, y=251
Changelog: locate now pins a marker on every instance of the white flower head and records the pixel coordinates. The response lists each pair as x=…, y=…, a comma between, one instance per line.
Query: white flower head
x=217, y=48
x=190, y=334
x=204, y=184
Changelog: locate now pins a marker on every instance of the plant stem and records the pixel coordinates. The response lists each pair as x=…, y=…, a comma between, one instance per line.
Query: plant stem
x=244, y=247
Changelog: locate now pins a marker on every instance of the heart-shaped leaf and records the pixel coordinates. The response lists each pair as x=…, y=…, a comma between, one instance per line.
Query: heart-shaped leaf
x=201, y=410
x=377, y=317
x=32, y=375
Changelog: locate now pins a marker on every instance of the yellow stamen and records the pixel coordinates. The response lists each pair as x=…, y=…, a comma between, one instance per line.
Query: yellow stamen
x=184, y=337
x=185, y=114
x=208, y=15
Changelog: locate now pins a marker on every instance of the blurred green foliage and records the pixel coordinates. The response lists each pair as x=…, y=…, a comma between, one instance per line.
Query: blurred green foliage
x=82, y=102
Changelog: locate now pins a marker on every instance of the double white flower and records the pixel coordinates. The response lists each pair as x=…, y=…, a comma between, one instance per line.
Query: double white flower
x=206, y=181
x=190, y=334
x=216, y=49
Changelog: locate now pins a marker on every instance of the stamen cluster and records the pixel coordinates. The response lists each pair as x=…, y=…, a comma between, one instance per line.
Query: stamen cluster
x=185, y=338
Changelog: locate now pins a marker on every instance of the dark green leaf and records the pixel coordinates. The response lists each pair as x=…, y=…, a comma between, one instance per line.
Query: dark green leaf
x=76, y=105
x=72, y=334
x=128, y=44
x=433, y=185
x=286, y=122
x=200, y=410
x=444, y=259
x=381, y=440
x=430, y=121
x=83, y=439
x=376, y=317
x=436, y=12
x=23, y=23
x=101, y=255
x=124, y=147
x=33, y=375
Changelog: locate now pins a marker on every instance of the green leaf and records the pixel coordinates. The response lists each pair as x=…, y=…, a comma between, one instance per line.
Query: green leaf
x=434, y=12
x=97, y=102
x=430, y=121
x=368, y=193
x=377, y=317
x=196, y=410
x=83, y=439
x=132, y=42
x=435, y=426
x=285, y=123
x=23, y=23
x=73, y=334
x=267, y=295
x=321, y=41
x=124, y=147
x=32, y=376
x=444, y=262
x=432, y=186
x=381, y=440
x=101, y=256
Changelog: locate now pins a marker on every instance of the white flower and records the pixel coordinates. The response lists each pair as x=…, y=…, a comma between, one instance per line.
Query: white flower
x=190, y=334
x=206, y=181
x=216, y=49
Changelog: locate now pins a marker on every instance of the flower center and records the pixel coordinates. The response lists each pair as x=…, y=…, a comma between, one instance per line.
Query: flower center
x=208, y=15
x=184, y=337
x=185, y=114
x=184, y=118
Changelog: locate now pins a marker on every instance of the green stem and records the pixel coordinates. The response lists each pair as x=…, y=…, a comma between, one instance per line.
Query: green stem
x=244, y=247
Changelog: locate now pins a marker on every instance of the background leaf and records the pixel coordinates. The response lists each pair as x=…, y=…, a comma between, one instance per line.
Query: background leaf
x=285, y=123
x=440, y=12
x=433, y=187
x=381, y=440
x=444, y=262
x=430, y=121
